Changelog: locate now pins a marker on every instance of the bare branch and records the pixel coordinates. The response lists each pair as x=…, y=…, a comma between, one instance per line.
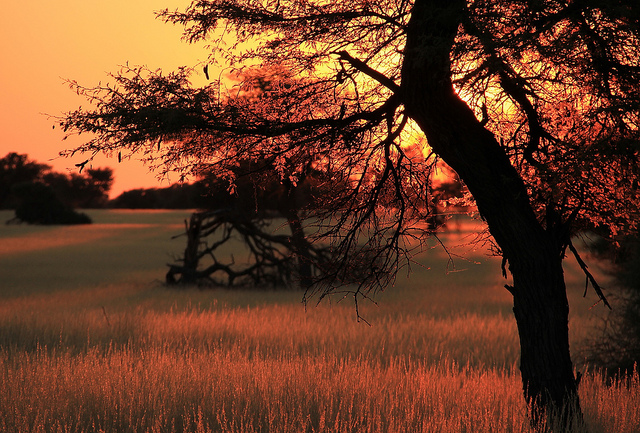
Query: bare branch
x=590, y=277
x=365, y=69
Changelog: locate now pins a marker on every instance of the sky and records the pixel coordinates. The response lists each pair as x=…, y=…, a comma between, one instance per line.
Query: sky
x=42, y=43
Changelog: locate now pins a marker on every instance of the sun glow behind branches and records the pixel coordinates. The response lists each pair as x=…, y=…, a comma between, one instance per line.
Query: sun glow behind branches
x=558, y=103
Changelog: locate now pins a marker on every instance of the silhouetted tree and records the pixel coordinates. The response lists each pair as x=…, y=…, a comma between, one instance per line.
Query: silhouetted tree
x=87, y=190
x=14, y=169
x=249, y=213
x=39, y=204
x=98, y=185
x=535, y=105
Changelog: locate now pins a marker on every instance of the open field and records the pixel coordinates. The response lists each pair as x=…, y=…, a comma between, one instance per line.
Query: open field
x=91, y=341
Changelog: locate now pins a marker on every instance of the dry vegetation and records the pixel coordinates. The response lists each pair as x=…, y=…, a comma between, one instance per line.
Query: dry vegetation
x=89, y=343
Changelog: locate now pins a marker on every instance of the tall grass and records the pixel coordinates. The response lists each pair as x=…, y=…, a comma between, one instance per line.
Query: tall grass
x=440, y=355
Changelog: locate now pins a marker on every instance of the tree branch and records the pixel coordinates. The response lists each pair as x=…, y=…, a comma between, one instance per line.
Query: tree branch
x=369, y=71
x=590, y=277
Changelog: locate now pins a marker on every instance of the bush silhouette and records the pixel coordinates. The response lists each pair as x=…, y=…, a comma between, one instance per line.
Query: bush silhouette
x=39, y=205
x=617, y=347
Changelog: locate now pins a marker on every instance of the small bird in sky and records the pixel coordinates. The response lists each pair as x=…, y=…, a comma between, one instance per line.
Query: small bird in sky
x=206, y=71
x=81, y=165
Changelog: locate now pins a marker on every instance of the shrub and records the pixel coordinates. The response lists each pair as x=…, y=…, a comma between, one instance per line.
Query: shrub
x=617, y=348
x=38, y=204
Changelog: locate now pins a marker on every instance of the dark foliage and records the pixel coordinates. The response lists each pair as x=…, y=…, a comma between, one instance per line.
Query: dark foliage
x=76, y=190
x=176, y=196
x=88, y=191
x=617, y=347
x=15, y=169
x=40, y=205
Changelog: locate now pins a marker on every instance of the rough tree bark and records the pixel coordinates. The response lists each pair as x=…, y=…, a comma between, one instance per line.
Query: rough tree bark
x=534, y=255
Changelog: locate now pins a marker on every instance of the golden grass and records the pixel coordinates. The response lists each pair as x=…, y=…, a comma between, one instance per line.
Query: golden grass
x=265, y=369
x=160, y=390
x=441, y=354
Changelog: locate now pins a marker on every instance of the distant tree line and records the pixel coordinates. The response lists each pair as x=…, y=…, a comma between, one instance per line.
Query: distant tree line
x=176, y=196
x=22, y=178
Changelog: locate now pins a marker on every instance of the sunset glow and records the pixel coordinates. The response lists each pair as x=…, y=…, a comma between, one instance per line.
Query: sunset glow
x=386, y=218
x=46, y=44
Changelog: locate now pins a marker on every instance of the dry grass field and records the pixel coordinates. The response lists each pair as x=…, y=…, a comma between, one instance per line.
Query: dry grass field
x=91, y=341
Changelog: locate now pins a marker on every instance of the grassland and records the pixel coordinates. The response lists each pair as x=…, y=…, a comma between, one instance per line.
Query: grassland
x=91, y=341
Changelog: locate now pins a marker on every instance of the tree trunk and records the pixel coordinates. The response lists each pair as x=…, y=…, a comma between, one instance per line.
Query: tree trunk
x=452, y=130
x=189, y=269
x=300, y=246
x=542, y=314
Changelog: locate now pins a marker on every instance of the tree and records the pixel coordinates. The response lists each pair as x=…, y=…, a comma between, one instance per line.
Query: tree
x=15, y=169
x=39, y=204
x=276, y=260
x=90, y=189
x=250, y=214
x=534, y=104
x=87, y=190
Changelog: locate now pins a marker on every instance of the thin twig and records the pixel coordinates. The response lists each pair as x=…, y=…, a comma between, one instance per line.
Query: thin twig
x=590, y=277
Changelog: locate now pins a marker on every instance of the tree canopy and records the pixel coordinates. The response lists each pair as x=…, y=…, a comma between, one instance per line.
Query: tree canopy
x=534, y=104
x=555, y=83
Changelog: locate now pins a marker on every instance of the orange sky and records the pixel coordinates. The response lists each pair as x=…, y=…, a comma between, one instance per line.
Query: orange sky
x=44, y=42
